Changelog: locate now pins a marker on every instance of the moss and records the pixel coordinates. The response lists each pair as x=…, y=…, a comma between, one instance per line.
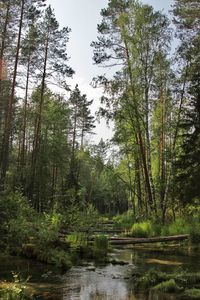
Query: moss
x=192, y=294
x=168, y=286
x=164, y=282
x=148, y=280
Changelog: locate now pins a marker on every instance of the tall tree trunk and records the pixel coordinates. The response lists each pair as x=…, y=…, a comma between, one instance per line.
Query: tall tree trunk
x=148, y=141
x=72, y=176
x=3, y=100
x=9, y=115
x=23, y=147
x=162, y=169
x=36, y=142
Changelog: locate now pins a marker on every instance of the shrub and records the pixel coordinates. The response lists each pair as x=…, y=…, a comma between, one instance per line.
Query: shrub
x=59, y=258
x=142, y=230
x=47, y=229
x=77, y=240
x=192, y=294
x=15, y=290
x=100, y=247
x=124, y=221
x=195, y=233
x=178, y=227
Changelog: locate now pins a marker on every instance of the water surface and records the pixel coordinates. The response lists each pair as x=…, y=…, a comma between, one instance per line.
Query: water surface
x=108, y=282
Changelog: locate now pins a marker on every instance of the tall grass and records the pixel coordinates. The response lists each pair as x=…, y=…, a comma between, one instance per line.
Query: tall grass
x=142, y=230
x=100, y=248
x=180, y=226
x=124, y=221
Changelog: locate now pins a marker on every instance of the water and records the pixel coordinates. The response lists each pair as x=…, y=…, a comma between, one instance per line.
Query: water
x=109, y=282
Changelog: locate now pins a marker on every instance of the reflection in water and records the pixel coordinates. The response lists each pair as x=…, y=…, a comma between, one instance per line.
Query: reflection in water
x=105, y=283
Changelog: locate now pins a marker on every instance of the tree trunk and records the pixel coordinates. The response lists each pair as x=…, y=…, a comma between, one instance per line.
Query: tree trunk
x=9, y=115
x=36, y=142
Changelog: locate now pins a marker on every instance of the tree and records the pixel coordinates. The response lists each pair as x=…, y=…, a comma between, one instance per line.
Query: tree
x=82, y=122
x=20, y=8
x=132, y=36
x=54, y=62
x=187, y=19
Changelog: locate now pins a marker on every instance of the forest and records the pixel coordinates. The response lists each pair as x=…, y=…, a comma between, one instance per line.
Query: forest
x=56, y=184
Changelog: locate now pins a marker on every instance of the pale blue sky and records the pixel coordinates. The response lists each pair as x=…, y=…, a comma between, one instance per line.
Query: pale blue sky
x=82, y=16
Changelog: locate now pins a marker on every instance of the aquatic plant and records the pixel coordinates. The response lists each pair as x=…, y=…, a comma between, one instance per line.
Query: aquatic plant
x=168, y=286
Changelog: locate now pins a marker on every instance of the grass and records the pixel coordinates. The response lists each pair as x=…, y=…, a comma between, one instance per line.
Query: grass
x=175, y=282
x=124, y=221
x=180, y=226
x=142, y=230
x=192, y=293
x=168, y=286
x=100, y=248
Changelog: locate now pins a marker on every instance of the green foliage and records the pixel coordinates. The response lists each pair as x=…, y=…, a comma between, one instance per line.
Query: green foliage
x=142, y=230
x=16, y=217
x=180, y=226
x=148, y=280
x=195, y=232
x=124, y=221
x=100, y=248
x=77, y=240
x=168, y=286
x=192, y=294
x=48, y=227
x=165, y=282
x=15, y=290
x=59, y=258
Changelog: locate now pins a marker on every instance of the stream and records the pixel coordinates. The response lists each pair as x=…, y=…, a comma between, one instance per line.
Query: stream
x=107, y=282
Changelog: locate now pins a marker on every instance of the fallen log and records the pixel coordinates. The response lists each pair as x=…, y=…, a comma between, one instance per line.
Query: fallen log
x=94, y=230
x=163, y=239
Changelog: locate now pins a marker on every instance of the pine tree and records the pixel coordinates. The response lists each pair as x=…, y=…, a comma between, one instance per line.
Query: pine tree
x=187, y=19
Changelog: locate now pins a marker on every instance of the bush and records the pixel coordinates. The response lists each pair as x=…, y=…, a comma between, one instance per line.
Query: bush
x=16, y=217
x=59, y=258
x=195, y=233
x=77, y=240
x=192, y=294
x=100, y=247
x=178, y=227
x=142, y=230
x=15, y=290
x=47, y=229
x=124, y=221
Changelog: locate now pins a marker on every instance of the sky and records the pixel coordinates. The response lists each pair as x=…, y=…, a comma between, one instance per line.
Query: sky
x=82, y=16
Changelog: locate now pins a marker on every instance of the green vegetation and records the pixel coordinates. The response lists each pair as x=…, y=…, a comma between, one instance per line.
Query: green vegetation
x=177, y=282
x=168, y=286
x=180, y=226
x=192, y=294
x=142, y=230
x=55, y=184
x=124, y=221
x=15, y=290
x=100, y=248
